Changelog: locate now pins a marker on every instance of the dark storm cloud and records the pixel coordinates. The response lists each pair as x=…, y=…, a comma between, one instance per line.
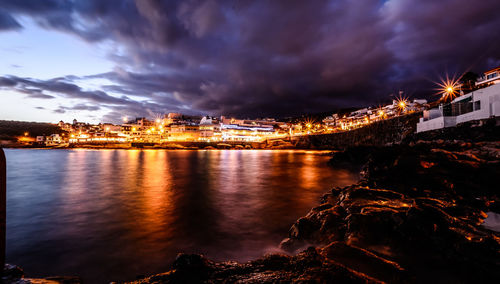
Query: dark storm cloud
x=35, y=87
x=77, y=107
x=7, y=22
x=271, y=57
x=38, y=94
x=95, y=99
x=7, y=82
x=59, y=110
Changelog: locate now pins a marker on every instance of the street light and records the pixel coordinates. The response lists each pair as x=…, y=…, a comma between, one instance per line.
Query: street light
x=448, y=88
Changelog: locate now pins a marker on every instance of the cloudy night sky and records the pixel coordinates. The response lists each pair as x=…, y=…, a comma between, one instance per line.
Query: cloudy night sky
x=98, y=60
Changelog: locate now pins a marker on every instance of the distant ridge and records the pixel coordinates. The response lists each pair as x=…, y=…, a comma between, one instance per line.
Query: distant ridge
x=9, y=129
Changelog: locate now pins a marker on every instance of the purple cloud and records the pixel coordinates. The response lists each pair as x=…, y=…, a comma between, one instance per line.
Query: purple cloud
x=260, y=58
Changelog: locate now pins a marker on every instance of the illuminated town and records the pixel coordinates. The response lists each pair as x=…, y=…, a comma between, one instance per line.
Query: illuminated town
x=176, y=127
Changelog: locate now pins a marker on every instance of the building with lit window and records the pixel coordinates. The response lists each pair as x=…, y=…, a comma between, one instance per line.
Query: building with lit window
x=246, y=133
x=490, y=77
x=480, y=104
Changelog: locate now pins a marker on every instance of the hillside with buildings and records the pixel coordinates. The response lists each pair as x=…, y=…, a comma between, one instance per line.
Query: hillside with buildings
x=25, y=132
x=212, y=131
x=382, y=124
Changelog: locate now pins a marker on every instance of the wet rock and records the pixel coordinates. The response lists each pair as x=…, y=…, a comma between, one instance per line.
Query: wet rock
x=12, y=272
x=64, y=279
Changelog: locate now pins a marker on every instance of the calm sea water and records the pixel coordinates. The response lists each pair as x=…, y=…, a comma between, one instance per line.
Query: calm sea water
x=116, y=214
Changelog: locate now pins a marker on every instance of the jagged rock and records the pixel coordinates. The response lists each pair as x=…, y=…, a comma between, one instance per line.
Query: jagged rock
x=12, y=272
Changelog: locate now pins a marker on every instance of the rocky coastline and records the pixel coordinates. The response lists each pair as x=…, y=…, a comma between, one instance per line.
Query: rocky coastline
x=416, y=215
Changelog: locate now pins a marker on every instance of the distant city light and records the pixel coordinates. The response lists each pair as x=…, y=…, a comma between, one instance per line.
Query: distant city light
x=162, y=130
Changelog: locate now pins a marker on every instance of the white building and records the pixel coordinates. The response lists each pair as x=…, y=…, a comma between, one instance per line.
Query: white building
x=248, y=133
x=490, y=77
x=480, y=104
x=331, y=120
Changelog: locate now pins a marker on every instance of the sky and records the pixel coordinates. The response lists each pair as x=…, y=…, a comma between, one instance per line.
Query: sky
x=99, y=61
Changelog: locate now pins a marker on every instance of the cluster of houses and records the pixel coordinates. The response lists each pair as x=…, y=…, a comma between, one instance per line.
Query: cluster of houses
x=364, y=116
x=176, y=127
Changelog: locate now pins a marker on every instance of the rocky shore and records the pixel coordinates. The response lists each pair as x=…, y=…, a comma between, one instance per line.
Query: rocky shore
x=416, y=215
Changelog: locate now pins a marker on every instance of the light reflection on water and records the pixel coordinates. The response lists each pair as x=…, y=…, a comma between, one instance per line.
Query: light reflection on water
x=115, y=214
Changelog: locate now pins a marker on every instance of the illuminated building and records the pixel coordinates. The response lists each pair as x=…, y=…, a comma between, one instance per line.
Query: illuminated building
x=249, y=133
x=184, y=132
x=331, y=120
x=480, y=104
x=489, y=77
x=209, y=129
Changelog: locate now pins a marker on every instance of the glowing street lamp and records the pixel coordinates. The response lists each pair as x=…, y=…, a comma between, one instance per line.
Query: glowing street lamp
x=402, y=103
x=448, y=88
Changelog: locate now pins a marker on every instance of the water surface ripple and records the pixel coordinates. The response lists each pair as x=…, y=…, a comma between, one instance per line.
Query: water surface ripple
x=115, y=214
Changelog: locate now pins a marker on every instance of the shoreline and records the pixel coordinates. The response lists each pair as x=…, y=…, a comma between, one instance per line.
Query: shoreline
x=325, y=151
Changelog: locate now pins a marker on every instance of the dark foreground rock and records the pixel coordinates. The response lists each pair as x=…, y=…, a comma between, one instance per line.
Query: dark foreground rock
x=416, y=216
x=13, y=274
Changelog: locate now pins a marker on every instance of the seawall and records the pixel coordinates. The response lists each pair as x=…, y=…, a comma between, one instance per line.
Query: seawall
x=380, y=133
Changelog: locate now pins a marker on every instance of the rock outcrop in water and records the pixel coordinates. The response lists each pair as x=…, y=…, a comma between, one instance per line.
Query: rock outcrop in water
x=415, y=216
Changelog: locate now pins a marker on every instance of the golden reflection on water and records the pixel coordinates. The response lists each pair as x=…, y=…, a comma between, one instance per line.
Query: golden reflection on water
x=156, y=190
x=309, y=172
x=114, y=214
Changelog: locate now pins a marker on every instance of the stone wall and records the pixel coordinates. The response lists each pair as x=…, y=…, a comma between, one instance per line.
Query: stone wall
x=381, y=133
